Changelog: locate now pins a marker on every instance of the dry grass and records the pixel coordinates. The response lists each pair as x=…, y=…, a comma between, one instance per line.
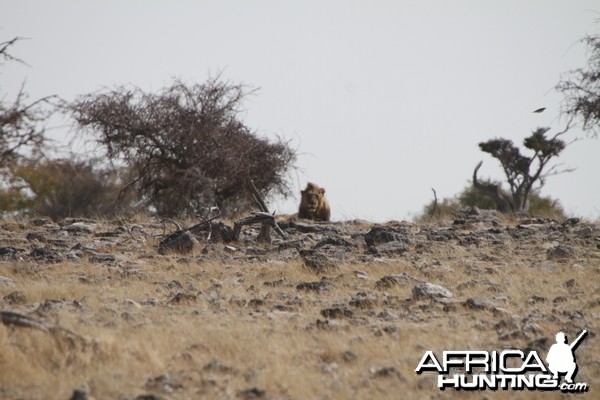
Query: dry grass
x=228, y=331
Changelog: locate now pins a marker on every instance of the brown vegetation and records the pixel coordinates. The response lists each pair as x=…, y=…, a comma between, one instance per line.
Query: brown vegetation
x=330, y=312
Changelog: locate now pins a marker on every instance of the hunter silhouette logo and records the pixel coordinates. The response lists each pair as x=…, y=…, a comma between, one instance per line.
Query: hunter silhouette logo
x=561, y=358
x=507, y=370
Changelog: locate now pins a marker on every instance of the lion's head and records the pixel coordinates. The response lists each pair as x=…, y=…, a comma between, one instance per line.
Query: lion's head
x=314, y=204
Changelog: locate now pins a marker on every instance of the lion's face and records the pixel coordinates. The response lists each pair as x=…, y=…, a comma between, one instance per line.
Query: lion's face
x=312, y=199
x=314, y=204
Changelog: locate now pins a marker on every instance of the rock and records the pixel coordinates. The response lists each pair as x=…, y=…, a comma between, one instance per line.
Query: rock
x=536, y=299
x=35, y=236
x=79, y=394
x=80, y=227
x=389, y=281
x=182, y=298
x=478, y=304
x=180, y=242
x=430, y=291
x=380, y=235
x=585, y=232
x=46, y=254
x=314, y=286
x=252, y=394
x=385, y=372
x=361, y=275
x=334, y=241
x=317, y=262
x=390, y=249
x=149, y=397
x=10, y=253
x=349, y=356
x=6, y=282
x=364, y=300
x=560, y=252
x=337, y=312
x=15, y=298
x=102, y=257
x=277, y=282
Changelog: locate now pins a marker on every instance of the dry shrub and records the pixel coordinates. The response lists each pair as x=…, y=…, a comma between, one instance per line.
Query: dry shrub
x=186, y=145
x=71, y=188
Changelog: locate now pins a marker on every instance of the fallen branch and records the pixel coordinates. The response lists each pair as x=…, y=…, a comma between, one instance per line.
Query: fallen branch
x=11, y=318
x=265, y=219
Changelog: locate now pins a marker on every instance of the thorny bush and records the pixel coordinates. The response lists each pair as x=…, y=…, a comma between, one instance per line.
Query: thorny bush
x=186, y=145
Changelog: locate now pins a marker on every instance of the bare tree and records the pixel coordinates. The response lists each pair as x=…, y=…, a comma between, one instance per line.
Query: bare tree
x=523, y=173
x=186, y=144
x=581, y=89
x=20, y=120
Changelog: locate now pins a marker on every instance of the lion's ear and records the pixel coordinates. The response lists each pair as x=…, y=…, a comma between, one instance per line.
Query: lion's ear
x=322, y=190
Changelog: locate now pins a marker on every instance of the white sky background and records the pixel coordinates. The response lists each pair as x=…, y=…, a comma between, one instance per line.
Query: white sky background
x=383, y=99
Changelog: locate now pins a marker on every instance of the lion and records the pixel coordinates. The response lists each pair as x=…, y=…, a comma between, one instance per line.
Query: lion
x=314, y=204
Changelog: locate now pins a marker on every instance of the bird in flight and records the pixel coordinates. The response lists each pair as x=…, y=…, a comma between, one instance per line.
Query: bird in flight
x=539, y=110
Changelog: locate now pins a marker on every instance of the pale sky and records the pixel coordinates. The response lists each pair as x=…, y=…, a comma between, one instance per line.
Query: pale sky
x=383, y=99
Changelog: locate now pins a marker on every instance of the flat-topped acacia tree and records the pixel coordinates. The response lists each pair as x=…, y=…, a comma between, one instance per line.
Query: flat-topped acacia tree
x=186, y=145
x=523, y=173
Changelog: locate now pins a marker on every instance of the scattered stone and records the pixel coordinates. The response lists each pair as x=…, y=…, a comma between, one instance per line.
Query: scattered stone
x=35, y=236
x=536, y=299
x=349, y=356
x=337, y=312
x=585, y=232
x=385, y=372
x=361, y=275
x=102, y=257
x=387, y=315
x=430, y=291
x=10, y=253
x=149, y=397
x=6, y=282
x=364, y=300
x=333, y=241
x=314, y=286
x=252, y=394
x=317, y=262
x=15, y=298
x=79, y=394
x=182, y=298
x=80, y=227
x=43, y=254
x=256, y=302
x=478, y=304
x=393, y=280
x=390, y=249
x=179, y=242
x=560, y=252
x=275, y=283
x=570, y=284
x=559, y=299
x=216, y=366
x=238, y=301
x=380, y=235
x=165, y=383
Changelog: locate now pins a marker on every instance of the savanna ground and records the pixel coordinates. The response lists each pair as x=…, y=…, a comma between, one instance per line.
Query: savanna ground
x=260, y=321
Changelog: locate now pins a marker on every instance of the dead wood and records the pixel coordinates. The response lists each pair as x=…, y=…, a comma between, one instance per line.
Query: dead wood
x=11, y=318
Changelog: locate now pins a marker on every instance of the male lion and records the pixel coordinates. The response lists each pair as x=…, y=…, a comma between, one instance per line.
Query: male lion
x=314, y=204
